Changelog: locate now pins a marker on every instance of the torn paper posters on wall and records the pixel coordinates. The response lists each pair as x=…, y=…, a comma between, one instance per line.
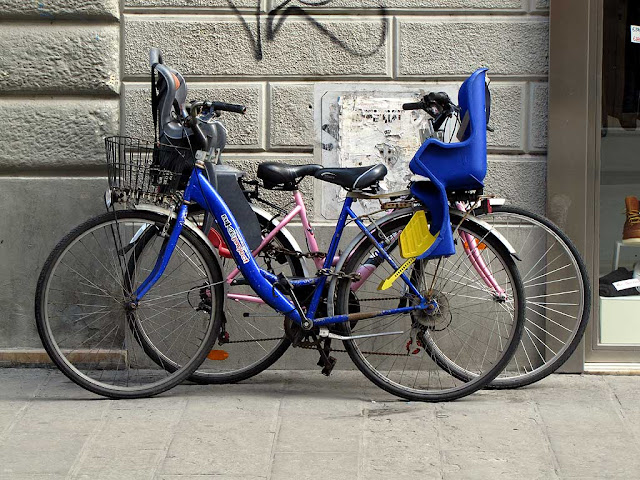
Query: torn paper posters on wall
x=367, y=127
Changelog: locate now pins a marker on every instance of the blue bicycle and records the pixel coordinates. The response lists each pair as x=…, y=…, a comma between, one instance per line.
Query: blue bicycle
x=130, y=303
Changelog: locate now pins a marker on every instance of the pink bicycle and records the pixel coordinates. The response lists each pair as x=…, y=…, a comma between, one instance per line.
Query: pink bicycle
x=556, y=284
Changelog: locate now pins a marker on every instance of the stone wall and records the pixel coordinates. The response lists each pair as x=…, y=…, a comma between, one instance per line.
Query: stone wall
x=74, y=71
x=59, y=96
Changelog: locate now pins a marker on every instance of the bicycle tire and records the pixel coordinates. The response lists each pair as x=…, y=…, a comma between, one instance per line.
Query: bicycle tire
x=452, y=388
x=243, y=358
x=113, y=365
x=513, y=376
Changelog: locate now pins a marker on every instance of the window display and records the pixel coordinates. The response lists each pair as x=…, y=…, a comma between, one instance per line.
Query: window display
x=619, y=285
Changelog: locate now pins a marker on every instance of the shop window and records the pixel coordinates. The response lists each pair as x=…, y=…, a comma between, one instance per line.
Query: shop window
x=620, y=175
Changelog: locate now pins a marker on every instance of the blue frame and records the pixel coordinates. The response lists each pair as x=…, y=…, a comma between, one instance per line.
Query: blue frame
x=199, y=190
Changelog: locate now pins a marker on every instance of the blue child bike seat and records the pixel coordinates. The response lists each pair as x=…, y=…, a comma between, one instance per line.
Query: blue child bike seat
x=453, y=166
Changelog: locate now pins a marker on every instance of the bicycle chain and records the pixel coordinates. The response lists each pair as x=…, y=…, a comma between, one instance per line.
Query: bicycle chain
x=327, y=272
x=314, y=347
x=294, y=253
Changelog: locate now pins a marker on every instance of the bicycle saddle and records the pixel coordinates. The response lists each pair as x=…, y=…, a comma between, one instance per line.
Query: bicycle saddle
x=282, y=176
x=356, y=178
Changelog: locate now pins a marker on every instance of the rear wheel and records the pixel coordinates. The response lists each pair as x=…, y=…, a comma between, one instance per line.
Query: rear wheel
x=252, y=335
x=470, y=325
x=557, y=291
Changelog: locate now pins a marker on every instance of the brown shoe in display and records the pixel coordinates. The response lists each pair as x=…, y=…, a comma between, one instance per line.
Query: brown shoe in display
x=631, y=230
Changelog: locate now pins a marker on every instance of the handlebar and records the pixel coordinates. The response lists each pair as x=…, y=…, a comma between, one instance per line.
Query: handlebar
x=436, y=104
x=413, y=106
x=229, y=107
x=216, y=107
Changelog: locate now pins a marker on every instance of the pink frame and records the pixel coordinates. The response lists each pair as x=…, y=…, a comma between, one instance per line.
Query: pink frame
x=301, y=211
x=469, y=241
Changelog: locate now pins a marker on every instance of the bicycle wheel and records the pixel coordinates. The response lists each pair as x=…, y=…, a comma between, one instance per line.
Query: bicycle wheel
x=83, y=314
x=252, y=337
x=557, y=291
x=470, y=325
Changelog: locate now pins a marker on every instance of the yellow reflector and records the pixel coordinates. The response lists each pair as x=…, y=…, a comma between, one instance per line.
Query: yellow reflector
x=217, y=355
x=416, y=238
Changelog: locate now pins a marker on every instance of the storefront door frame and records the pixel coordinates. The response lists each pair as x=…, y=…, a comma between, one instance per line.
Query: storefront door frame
x=573, y=164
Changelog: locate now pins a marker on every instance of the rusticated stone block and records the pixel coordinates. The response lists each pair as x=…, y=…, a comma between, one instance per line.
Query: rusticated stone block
x=53, y=9
x=506, y=47
x=454, y=5
x=222, y=46
x=244, y=130
x=539, y=116
x=507, y=116
x=541, y=4
x=521, y=180
x=46, y=133
x=291, y=115
x=183, y=4
x=59, y=59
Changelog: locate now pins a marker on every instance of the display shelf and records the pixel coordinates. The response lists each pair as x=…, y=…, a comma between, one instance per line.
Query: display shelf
x=620, y=320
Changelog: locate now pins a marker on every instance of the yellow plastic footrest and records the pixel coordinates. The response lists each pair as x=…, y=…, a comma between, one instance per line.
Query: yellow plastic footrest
x=416, y=238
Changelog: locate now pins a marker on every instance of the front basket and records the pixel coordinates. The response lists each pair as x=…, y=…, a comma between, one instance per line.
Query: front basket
x=144, y=172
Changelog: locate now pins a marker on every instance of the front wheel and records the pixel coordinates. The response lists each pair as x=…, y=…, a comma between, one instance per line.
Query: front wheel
x=87, y=321
x=470, y=325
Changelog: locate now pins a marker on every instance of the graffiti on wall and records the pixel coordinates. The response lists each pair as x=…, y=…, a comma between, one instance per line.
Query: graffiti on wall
x=278, y=15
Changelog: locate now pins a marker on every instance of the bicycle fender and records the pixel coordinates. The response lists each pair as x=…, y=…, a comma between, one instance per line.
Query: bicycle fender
x=486, y=226
x=188, y=224
x=258, y=211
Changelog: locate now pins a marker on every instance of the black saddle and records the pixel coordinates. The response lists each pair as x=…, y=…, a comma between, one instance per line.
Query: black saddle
x=280, y=176
x=356, y=178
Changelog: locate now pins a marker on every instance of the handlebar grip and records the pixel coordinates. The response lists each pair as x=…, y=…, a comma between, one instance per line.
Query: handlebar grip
x=155, y=56
x=229, y=107
x=413, y=106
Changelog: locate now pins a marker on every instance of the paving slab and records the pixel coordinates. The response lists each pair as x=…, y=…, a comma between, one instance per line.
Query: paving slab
x=295, y=424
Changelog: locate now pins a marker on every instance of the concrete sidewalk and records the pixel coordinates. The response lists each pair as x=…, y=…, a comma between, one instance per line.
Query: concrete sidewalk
x=301, y=425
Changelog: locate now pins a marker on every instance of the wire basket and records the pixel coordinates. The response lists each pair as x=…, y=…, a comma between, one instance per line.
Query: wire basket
x=144, y=172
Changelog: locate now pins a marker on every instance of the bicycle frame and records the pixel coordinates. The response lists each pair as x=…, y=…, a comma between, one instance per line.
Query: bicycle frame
x=301, y=211
x=470, y=245
x=200, y=191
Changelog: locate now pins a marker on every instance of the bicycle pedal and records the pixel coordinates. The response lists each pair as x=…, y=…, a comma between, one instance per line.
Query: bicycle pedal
x=328, y=366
